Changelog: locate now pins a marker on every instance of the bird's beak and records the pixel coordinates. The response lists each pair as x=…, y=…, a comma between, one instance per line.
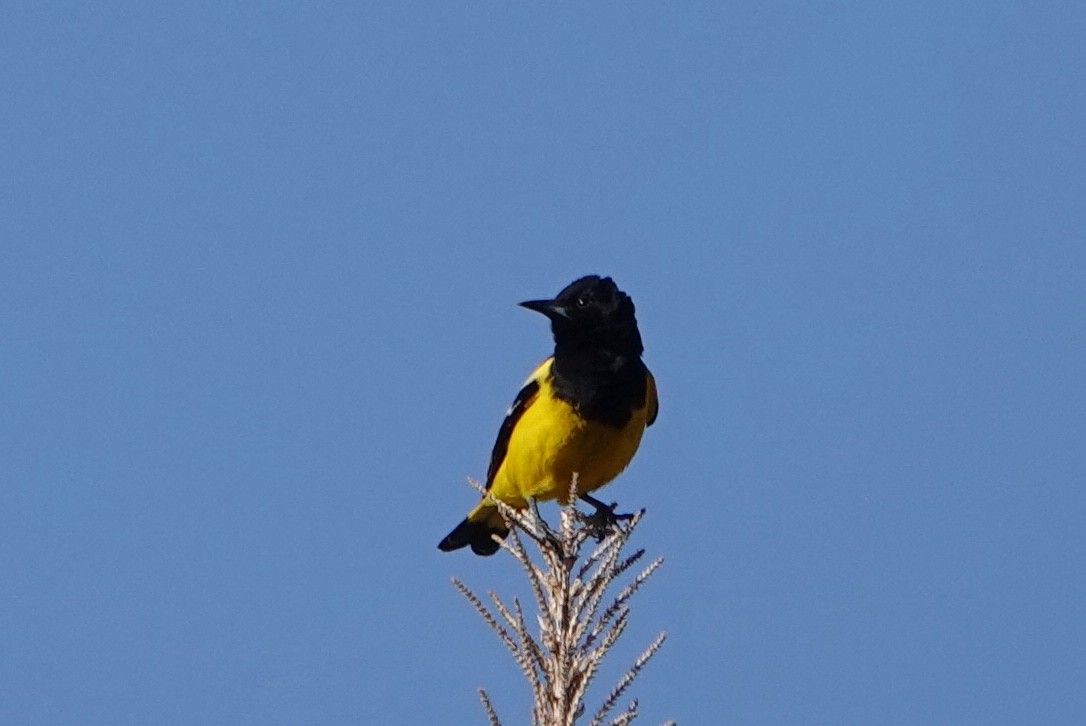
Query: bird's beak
x=550, y=308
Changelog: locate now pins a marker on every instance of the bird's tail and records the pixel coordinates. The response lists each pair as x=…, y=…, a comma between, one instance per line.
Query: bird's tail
x=477, y=530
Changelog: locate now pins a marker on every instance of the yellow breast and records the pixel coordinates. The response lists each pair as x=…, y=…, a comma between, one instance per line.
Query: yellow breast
x=551, y=443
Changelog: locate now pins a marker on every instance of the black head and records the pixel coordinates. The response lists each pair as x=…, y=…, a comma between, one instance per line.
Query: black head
x=592, y=312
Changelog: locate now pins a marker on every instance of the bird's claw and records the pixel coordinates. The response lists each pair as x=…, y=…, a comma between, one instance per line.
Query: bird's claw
x=604, y=519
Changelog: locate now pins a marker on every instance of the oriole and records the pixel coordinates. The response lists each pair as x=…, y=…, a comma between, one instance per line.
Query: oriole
x=581, y=412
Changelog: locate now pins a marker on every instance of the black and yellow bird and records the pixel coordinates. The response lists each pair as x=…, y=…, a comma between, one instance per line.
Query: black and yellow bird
x=581, y=412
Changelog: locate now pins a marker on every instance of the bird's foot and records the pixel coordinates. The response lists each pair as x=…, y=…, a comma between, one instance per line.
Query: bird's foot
x=544, y=530
x=604, y=519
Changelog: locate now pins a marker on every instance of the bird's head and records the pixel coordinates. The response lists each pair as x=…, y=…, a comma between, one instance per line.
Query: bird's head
x=591, y=311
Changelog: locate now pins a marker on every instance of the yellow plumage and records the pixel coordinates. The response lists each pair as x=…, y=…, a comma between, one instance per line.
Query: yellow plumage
x=551, y=442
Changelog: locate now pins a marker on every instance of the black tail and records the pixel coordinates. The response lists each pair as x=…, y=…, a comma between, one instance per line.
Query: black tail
x=478, y=534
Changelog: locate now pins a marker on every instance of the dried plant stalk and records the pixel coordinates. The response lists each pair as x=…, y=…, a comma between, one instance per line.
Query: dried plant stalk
x=491, y=716
x=575, y=630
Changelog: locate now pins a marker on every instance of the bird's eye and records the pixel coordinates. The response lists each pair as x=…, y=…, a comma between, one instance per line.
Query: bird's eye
x=582, y=302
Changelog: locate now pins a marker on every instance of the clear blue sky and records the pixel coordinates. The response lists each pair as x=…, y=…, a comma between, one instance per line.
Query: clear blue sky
x=258, y=274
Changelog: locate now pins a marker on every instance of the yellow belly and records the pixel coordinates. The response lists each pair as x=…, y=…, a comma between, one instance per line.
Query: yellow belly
x=551, y=443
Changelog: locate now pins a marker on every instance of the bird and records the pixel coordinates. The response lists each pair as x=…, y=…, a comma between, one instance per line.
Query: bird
x=581, y=412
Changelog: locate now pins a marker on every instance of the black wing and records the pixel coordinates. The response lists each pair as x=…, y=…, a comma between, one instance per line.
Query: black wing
x=652, y=400
x=520, y=405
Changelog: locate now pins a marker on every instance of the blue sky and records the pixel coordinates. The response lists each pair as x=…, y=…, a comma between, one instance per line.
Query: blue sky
x=258, y=274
